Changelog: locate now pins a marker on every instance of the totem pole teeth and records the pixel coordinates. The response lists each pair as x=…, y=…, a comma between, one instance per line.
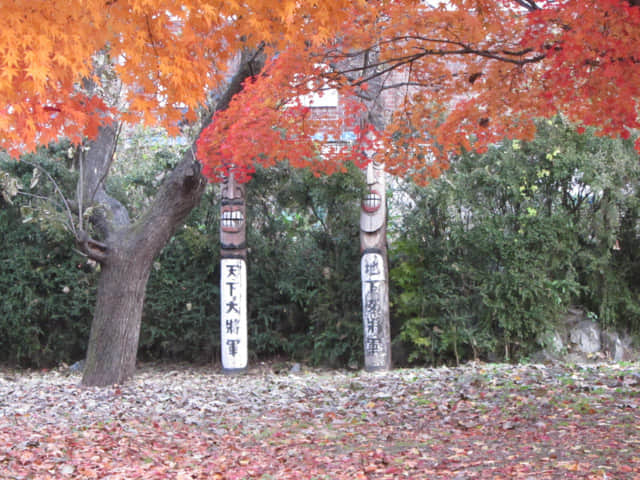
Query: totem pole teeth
x=232, y=220
x=371, y=202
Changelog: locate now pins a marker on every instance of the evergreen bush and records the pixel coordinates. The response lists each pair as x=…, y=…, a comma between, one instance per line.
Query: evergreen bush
x=47, y=296
x=490, y=255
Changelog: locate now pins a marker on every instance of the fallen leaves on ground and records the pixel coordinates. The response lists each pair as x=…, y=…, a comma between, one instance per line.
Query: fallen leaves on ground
x=480, y=421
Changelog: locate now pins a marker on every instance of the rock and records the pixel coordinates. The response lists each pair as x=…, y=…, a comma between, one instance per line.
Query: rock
x=574, y=316
x=555, y=343
x=296, y=368
x=553, y=351
x=77, y=367
x=574, y=358
x=612, y=344
x=585, y=337
x=577, y=339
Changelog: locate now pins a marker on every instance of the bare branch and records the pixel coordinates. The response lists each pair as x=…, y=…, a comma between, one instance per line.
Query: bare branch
x=515, y=57
x=371, y=71
x=58, y=191
x=40, y=197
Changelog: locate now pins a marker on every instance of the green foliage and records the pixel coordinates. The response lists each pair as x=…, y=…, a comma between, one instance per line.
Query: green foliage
x=142, y=161
x=47, y=288
x=40, y=184
x=304, y=288
x=181, y=311
x=304, y=299
x=47, y=296
x=492, y=253
x=303, y=276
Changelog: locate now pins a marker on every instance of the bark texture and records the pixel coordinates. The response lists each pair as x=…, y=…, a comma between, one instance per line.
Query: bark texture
x=126, y=250
x=129, y=255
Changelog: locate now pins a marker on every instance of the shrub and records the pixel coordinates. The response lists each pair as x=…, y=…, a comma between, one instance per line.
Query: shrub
x=492, y=253
x=47, y=296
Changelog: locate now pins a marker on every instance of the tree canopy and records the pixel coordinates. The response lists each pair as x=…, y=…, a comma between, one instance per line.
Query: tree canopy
x=60, y=59
x=419, y=82
x=451, y=76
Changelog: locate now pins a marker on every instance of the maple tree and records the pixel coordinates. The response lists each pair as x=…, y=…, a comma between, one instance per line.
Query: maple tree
x=459, y=75
x=167, y=55
x=79, y=69
x=421, y=82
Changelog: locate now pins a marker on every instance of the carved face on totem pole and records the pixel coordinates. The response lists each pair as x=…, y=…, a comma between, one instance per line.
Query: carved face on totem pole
x=232, y=215
x=373, y=209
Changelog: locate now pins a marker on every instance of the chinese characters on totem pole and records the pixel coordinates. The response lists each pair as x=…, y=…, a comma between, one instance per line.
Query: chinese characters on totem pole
x=233, y=277
x=374, y=272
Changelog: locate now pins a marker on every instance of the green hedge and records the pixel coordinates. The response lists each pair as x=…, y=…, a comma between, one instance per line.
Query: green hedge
x=47, y=296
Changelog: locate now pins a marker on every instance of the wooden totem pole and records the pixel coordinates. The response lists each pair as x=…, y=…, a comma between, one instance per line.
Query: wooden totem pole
x=374, y=271
x=233, y=277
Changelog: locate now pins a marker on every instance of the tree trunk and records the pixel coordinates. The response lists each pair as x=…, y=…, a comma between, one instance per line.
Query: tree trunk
x=130, y=253
x=113, y=343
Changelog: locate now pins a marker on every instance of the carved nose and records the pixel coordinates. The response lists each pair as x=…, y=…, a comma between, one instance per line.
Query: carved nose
x=231, y=186
x=371, y=179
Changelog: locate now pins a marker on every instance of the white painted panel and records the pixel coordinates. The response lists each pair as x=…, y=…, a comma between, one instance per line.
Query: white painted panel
x=233, y=313
x=374, y=294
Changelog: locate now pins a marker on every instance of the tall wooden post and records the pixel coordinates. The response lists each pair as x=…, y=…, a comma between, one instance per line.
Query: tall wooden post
x=374, y=271
x=233, y=278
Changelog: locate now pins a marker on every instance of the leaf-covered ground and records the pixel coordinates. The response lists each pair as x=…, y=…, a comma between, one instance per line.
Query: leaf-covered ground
x=477, y=421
